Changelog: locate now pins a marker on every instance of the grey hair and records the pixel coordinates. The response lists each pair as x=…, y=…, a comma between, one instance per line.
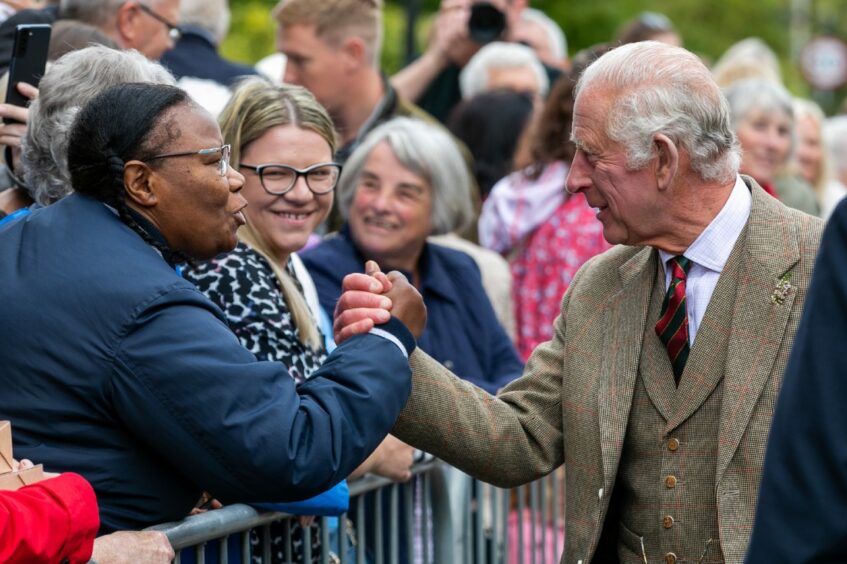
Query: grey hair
x=760, y=94
x=473, y=79
x=212, y=16
x=662, y=89
x=67, y=86
x=749, y=58
x=835, y=138
x=554, y=33
x=428, y=151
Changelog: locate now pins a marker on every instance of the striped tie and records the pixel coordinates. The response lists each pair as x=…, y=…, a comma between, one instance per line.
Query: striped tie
x=672, y=327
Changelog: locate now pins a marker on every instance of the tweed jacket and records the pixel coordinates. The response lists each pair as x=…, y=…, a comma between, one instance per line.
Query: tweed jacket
x=572, y=405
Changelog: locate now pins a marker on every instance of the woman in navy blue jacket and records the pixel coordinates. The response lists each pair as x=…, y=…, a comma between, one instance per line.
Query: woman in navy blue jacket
x=407, y=181
x=117, y=368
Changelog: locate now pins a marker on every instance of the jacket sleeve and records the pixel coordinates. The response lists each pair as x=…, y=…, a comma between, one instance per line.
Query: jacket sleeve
x=49, y=521
x=240, y=428
x=803, y=494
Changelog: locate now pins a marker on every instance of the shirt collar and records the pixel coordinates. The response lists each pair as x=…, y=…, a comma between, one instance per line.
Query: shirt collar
x=712, y=248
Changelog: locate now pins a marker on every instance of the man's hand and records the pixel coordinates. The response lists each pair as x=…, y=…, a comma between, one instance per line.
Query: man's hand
x=14, y=120
x=394, y=459
x=128, y=547
x=407, y=304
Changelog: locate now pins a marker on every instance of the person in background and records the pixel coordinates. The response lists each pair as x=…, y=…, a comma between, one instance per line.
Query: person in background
x=283, y=141
x=649, y=26
x=810, y=160
x=748, y=58
x=835, y=140
x=460, y=29
x=762, y=114
x=537, y=30
x=545, y=232
x=158, y=401
x=490, y=125
x=504, y=66
x=69, y=84
x=407, y=182
x=195, y=62
x=333, y=49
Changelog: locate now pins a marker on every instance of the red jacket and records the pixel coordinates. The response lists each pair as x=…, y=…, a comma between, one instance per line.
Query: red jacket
x=50, y=521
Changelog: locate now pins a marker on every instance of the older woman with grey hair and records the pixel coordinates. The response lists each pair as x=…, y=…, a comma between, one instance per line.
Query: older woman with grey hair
x=67, y=86
x=406, y=181
x=504, y=66
x=762, y=114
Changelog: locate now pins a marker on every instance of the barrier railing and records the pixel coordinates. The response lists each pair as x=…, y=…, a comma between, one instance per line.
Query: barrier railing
x=441, y=516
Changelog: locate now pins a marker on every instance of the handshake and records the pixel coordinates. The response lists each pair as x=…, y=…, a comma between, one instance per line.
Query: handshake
x=372, y=298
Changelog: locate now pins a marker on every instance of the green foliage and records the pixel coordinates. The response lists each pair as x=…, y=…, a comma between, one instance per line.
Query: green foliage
x=252, y=33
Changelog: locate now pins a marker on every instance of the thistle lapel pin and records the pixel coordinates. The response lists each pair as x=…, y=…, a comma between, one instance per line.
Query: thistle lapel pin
x=782, y=289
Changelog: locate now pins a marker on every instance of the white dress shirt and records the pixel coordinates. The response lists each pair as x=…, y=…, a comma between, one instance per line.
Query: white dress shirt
x=709, y=253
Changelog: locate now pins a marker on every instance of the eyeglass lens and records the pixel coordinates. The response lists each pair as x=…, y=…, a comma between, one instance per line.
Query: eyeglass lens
x=278, y=179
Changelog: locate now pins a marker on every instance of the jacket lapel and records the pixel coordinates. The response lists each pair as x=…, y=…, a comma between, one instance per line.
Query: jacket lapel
x=761, y=307
x=624, y=320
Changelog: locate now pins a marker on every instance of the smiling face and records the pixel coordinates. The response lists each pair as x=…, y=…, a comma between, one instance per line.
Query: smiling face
x=627, y=201
x=765, y=139
x=285, y=222
x=390, y=216
x=809, y=153
x=197, y=210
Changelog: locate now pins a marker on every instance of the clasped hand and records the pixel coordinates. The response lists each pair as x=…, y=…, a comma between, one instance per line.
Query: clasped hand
x=372, y=298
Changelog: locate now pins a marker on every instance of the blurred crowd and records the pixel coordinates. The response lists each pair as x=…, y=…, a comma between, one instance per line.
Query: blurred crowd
x=451, y=172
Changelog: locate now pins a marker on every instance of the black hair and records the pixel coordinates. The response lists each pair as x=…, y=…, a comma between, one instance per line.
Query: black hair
x=490, y=124
x=116, y=126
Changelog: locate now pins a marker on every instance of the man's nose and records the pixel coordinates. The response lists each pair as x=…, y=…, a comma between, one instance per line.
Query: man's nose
x=579, y=177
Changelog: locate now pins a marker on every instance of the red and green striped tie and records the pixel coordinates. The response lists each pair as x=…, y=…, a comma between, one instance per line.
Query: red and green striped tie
x=672, y=327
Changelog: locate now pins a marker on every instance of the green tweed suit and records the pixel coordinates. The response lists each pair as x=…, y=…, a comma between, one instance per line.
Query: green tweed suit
x=573, y=404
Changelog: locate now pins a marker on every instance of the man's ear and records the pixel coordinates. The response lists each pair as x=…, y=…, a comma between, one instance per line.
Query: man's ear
x=354, y=53
x=126, y=31
x=667, y=162
x=140, y=185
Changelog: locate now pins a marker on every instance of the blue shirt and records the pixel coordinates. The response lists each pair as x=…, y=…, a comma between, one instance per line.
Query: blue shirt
x=462, y=331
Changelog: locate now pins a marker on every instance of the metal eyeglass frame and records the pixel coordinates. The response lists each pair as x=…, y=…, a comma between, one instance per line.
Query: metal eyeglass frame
x=174, y=31
x=223, y=166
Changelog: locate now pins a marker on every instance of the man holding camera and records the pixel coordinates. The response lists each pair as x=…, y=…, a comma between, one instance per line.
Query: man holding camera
x=333, y=50
x=460, y=29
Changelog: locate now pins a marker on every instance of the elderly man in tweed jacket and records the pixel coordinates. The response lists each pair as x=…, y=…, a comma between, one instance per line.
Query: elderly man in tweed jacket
x=658, y=387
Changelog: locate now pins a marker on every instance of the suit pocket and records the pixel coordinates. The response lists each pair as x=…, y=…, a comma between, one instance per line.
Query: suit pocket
x=629, y=544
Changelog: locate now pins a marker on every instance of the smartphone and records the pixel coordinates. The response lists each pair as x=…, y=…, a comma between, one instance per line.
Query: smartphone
x=29, y=57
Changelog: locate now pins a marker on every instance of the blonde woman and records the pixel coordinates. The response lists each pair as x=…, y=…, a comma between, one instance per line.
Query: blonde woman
x=283, y=142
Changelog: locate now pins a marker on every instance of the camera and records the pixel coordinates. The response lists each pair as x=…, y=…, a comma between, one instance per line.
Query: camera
x=486, y=23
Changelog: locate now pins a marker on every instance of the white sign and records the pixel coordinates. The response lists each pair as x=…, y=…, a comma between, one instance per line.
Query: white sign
x=823, y=62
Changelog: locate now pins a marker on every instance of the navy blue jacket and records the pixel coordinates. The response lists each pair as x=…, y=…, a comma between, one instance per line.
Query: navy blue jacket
x=113, y=366
x=802, y=512
x=462, y=331
x=195, y=55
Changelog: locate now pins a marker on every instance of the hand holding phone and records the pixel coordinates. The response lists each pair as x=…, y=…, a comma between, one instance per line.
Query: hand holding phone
x=29, y=59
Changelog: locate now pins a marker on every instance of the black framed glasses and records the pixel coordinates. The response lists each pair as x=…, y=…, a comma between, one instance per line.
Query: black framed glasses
x=174, y=31
x=223, y=164
x=277, y=179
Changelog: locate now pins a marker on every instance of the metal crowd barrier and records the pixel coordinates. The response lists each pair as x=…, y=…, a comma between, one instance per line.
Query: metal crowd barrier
x=446, y=518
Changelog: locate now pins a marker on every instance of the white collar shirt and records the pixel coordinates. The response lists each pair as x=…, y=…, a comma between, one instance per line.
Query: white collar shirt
x=709, y=253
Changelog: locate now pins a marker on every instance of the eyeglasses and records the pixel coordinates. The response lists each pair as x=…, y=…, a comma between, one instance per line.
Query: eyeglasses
x=223, y=164
x=174, y=32
x=277, y=179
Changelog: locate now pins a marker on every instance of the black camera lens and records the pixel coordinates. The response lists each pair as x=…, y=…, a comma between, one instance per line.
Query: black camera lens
x=486, y=23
